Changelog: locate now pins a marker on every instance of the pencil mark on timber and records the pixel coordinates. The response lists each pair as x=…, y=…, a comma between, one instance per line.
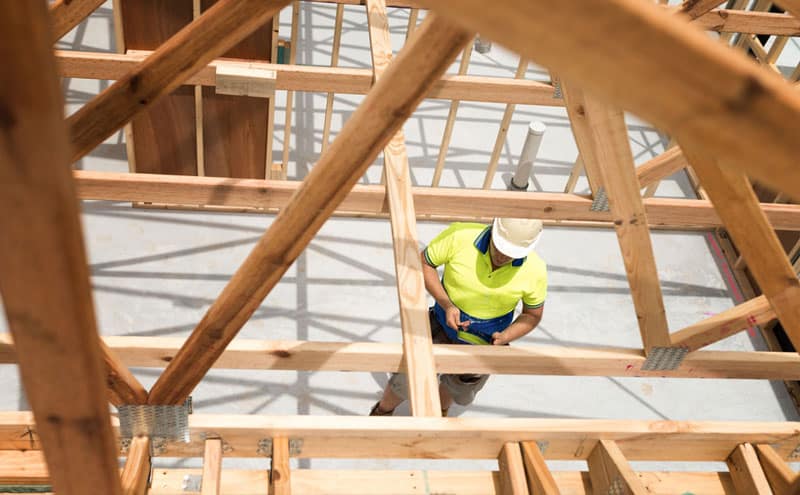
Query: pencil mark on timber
x=30, y=433
x=7, y=118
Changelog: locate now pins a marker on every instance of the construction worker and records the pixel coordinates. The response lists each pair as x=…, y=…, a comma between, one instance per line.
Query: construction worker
x=488, y=270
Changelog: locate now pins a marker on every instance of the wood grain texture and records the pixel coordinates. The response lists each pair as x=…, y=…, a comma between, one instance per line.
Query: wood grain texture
x=44, y=279
x=540, y=479
x=66, y=14
x=696, y=8
x=280, y=480
x=740, y=21
x=610, y=471
x=423, y=384
x=512, y=470
x=615, y=162
x=23, y=467
x=366, y=199
x=123, y=387
x=212, y=467
x=518, y=360
x=575, y=101
x=235, y=127
x=782, y=479
x=192, y=48
x=407, y=482
x=369, y=129
x=746, y=472
x=733, y=197
x=463, y=438
x=164, y=135
x=751, y=123
x=346, y=80
x=756, y=311
x=137, y=467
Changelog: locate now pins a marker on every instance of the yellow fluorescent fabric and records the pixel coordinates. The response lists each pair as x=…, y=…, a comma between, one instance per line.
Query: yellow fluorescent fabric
x=463, y=249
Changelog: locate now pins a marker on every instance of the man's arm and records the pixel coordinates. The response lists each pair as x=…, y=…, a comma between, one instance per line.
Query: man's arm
x=525, y=322
x=436, y=289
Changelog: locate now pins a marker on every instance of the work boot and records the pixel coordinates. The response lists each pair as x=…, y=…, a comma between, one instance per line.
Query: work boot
x=377, y=411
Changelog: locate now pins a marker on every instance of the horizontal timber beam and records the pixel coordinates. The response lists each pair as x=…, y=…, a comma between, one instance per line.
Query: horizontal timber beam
x=740, y=21
x=364, y=199
x=461, y=438
x=381, y=482
x=157, y=352
x=112, y=66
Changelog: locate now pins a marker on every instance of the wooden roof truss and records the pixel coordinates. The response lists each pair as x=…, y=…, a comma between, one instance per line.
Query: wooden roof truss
x=731, y=120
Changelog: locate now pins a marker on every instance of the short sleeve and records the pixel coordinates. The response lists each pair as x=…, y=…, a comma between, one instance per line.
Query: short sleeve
x=535, y=296
x=440, y=249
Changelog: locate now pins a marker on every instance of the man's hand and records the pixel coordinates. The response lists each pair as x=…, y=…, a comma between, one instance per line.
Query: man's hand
x=453, y=318
x=499, y=338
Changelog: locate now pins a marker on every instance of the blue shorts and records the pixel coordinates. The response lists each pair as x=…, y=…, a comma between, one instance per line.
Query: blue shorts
x=479, y=331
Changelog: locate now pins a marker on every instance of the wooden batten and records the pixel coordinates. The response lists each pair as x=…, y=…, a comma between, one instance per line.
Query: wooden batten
x=136, y=472
x=212, y=467
x=610, y=471
x=756, y=311
x=344, y=80
x=676, y=214
x=512, y=470
x=746, y=472
x=615, y=163
x=423, y=383
x=280, y=481
x=44, y=277
x=540, y=479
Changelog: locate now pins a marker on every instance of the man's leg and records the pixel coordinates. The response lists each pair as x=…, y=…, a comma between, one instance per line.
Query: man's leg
x=388, y=402
x=394, y=394
x=445, y=398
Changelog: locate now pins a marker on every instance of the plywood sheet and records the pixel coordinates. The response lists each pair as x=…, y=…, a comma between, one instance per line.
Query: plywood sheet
x=163, y=135
x=235, y=127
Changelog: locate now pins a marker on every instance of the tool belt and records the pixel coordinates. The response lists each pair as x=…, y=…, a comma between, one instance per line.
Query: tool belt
x=479, y=331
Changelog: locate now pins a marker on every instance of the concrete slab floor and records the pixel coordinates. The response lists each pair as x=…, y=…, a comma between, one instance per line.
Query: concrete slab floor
x=155, y=273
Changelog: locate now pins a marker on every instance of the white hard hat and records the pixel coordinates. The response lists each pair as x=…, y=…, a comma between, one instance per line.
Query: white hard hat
x=516, y=237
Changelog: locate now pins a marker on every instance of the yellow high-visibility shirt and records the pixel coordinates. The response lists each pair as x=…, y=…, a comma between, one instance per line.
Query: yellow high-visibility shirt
x=463, y=249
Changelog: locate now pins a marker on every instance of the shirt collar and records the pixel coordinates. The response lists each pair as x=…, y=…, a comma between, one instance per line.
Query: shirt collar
x=482, y=245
